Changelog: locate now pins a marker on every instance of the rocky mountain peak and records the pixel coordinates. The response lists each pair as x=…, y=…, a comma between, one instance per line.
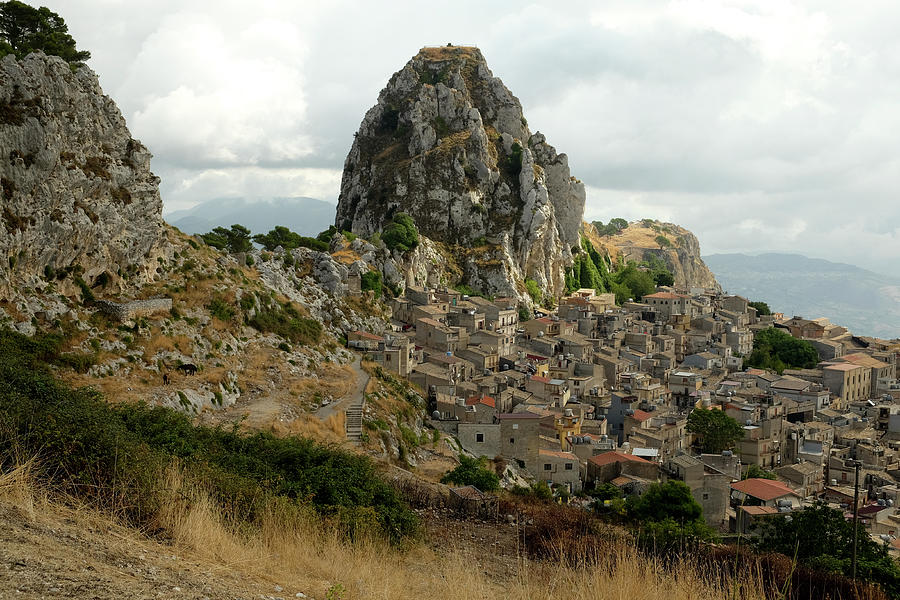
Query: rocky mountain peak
x=447, y=143
x=77, y=191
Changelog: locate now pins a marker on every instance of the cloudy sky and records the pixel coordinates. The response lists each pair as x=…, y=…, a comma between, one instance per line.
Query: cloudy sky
x=760, y=126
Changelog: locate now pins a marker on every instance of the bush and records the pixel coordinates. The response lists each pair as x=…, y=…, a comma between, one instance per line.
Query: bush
x=533, y=289
x=287, y=322
x=401, y=234
x=220, y=309
x=372, y=281
x=472, y=471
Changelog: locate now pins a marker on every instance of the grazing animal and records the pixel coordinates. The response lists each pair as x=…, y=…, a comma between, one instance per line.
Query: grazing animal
x=187, y=369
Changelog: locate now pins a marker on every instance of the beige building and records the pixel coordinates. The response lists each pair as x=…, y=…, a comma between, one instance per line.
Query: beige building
x=848, y=382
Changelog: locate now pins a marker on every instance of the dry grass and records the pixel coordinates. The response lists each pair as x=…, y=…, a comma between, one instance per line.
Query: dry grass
x=295, y=549
x=330, y=431
x=17, y=487
x=345, y=256
x=331, y=380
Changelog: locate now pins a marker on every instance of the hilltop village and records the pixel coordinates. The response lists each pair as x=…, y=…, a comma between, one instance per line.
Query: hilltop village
x=593, y=393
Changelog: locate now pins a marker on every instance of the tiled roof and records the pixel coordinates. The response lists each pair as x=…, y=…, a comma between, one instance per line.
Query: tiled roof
x=367, y=335
x=611, y=457
x=486, y=400
x=763, y=489
x=558, y=454
x=641, y=415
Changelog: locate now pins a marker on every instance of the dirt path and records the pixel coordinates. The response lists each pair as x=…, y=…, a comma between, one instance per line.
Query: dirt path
x=351, y=404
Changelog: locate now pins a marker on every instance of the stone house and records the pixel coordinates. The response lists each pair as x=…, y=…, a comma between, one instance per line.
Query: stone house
x=559, y=468
x=433, y=334
x=668, y=304
x=806, y=478
x=520, y=437
x=709, y=487
x=484, y=358
x=603, y=468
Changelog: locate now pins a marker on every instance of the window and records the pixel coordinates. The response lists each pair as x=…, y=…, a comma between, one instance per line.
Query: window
x=479, y=437
x=547, y=466
x=706, y=496
x=512, y=440
x=515, y=425
x=568, y=466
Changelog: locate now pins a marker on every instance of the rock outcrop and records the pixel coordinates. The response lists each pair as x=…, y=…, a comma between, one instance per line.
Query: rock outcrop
x=77, y=192
x=447, y=143
x=680, y=251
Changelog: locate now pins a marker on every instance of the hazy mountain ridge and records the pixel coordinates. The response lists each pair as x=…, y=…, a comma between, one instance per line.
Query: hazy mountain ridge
x=864, y=301
x=306, y=216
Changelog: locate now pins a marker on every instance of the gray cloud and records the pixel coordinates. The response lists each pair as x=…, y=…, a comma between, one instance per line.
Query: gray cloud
x=758, y=126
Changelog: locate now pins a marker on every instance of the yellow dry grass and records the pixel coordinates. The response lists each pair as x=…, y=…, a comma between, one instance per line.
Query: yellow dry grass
x=439, y=53
x=330, y=431
x=332, y=380
x=296, y=549
x=345, y=256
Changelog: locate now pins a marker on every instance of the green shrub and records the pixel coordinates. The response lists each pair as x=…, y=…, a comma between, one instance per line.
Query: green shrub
x=534, y=290
x=372, y=281
x=472, y=471
x=287, y=322
x=514, y=160
x=401, y=233
x=220, y=309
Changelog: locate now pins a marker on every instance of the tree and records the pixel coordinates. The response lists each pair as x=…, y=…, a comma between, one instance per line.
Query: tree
x=822, y=538
x=762, y=308
x=664, y=278
x=717, y=430
x=639, y=283
x=472, y=471
x=776, y=349
x=24, y=29
x=236, y=239
x=401, y=233
x=661, y=501
x=663, y=241
x=754, y=471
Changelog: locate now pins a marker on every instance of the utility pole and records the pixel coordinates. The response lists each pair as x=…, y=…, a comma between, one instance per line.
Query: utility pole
x=855, y=517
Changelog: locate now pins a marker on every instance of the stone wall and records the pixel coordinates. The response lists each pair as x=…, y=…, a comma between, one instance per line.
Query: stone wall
x=137, y=308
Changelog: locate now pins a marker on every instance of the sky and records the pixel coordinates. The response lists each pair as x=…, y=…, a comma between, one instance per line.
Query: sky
x=769, y=126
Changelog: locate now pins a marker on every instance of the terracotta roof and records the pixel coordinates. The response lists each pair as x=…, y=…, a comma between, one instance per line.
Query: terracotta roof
x=540, y=379
x=763, y=489
x=641, y=415
x=666, y=296
x=486, y=400
x=611, y=457
x=558, y=454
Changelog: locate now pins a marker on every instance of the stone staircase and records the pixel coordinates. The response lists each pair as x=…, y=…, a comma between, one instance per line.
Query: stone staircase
x=354, y=422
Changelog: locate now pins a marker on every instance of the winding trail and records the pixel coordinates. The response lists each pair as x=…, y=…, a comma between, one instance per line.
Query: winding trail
x=351, y=404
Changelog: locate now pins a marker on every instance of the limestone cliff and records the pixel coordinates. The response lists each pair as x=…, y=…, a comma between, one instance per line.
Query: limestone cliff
x=680, y=251
x=447, y=143
x=77, y=191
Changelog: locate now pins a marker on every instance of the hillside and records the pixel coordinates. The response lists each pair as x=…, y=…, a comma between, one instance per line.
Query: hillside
x=865, y=302
x=306, y=216
x=640, y=239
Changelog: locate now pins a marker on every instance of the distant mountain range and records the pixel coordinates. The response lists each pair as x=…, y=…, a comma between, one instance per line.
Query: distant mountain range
x=306, y=216
x=865, y=302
